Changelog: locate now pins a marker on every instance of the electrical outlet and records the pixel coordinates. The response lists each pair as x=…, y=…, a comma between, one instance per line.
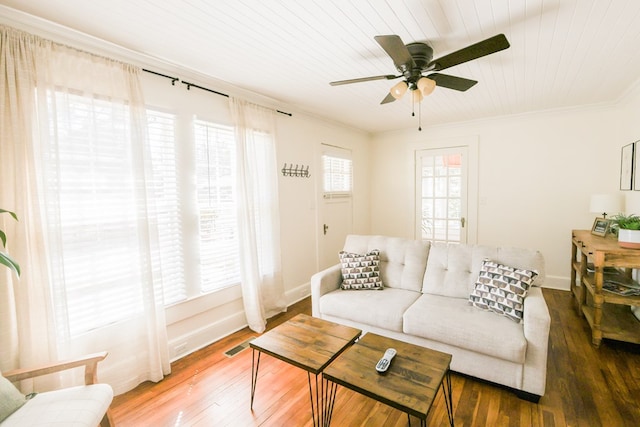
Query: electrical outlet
x=180, y=348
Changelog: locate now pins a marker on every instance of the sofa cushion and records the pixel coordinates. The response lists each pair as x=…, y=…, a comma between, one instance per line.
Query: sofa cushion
x=523, y=258
x=70, y=407
x=374, y=308
x=502, y=289
x=360, y=271
x=453, y=321
x=402, y=261
x=10, y=398
x=452, y=270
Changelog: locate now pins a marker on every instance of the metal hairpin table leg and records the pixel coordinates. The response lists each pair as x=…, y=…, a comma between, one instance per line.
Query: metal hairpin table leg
x=318, y=398
x=330, y=390
x=446, y=388
x=255, y=364
x=423, y=421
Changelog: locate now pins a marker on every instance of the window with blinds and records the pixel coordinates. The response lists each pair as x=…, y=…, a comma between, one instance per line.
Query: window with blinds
x=91, y=199
x=337, y=176
x=216, y=205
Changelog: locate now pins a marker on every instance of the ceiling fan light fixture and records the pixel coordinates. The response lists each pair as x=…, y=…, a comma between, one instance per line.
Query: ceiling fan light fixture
x=426, y=85
x=416, y=96
x=399, y=89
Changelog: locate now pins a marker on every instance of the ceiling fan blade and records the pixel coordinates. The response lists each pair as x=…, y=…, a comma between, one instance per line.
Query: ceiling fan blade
x=477, y=50
x=387, y=99
x=396, y=49
x=364, y=79
x=452, y=82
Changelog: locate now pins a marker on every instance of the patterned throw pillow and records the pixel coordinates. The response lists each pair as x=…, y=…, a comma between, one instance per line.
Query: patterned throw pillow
x=502, y=289
x=361, y=271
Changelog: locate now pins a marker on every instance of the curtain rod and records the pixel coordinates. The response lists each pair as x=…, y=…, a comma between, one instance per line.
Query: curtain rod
x=203, y=88
x=189, y=85
x=173, y=79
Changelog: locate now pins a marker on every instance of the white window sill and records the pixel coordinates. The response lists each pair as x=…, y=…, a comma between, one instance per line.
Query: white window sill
x=200, y=304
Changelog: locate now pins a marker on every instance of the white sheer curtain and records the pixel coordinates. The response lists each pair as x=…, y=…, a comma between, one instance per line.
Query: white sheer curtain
x=27, y=334
x=75, y=167
x=259, y=224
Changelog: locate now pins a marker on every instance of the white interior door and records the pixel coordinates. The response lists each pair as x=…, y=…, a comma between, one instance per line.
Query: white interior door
x=336, y=205
x=442, y=196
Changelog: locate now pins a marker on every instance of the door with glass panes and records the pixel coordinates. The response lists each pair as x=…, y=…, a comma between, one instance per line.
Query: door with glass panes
x=441, y=196
x=336, y=208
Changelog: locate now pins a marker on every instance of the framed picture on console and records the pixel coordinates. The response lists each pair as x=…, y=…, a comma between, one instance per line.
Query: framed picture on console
x=626, y=167
x=600, y=227
x=636, y=166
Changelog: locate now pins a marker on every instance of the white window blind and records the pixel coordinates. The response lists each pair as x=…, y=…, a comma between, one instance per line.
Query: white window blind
x=165, y=189
x=337, y=175
x=216, y=199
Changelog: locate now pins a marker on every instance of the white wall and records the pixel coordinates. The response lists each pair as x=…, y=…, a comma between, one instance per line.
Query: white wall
x=536, y=174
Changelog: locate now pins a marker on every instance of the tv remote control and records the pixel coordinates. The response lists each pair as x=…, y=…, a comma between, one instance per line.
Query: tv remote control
x=383, y=364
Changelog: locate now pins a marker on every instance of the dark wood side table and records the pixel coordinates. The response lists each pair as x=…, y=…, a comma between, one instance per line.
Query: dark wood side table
x=410, y=384
x=308, y=343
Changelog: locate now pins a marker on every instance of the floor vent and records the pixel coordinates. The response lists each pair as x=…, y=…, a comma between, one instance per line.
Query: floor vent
x=237, y=349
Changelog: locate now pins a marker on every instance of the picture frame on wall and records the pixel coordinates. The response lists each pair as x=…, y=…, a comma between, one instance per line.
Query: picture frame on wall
x=600, y=227
x=626, y=167
x=636, y=166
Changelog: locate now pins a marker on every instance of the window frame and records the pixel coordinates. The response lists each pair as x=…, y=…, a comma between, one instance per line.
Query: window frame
x=336, y=155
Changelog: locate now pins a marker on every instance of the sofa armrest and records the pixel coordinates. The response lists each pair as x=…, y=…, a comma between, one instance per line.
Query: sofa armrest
x=90, y=363
x=536, y=316
x=324, y=282
x=536, y=323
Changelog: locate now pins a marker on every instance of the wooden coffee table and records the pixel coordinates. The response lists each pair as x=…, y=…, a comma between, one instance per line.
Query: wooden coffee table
x=308, y=343
x=410, y=384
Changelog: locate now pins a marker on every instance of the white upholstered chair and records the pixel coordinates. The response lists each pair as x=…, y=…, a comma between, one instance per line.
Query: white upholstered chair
x=80, y=406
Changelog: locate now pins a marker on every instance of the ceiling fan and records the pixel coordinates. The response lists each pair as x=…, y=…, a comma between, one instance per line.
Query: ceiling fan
x=415, y=59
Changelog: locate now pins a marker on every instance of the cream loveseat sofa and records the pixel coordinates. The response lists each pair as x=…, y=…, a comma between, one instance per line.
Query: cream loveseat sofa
x=425, y=301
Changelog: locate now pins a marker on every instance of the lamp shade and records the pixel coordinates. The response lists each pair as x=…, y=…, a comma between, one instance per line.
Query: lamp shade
x=416, y=96
x=605, y=204
x=399, y=89
x=426, y=85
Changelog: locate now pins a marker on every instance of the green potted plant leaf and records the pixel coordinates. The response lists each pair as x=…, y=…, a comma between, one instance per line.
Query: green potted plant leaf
x=5, y=259
x=628, y=229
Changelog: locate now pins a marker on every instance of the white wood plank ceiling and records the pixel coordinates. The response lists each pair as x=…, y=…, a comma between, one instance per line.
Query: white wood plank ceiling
x=563, y=53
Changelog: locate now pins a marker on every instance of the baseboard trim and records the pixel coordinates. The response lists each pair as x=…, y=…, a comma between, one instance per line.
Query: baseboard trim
x=561, y=283
x=297, y=294
x=197, y=339
x=186, y=344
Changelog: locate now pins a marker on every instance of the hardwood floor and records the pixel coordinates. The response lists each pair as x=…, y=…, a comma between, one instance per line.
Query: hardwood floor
x=585, y=387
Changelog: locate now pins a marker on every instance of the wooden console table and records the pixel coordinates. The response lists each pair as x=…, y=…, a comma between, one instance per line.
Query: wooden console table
x=608, y=314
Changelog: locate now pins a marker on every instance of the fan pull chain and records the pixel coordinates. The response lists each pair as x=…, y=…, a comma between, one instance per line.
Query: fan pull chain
x=420, y=117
